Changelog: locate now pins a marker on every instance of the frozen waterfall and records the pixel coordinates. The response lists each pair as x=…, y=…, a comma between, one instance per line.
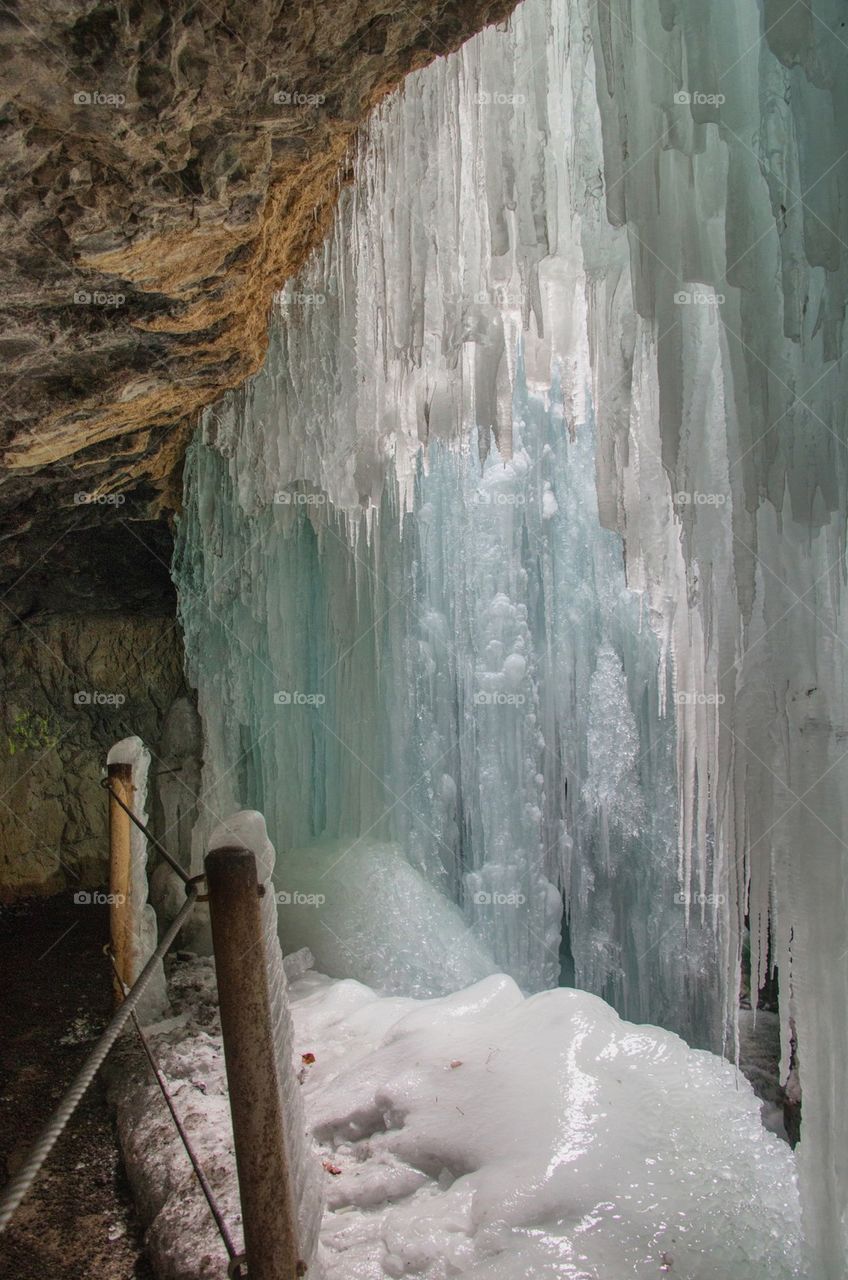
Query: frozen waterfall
x=524, y=552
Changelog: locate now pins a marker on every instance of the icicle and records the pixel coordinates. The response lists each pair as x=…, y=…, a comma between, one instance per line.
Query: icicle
x=637, y=181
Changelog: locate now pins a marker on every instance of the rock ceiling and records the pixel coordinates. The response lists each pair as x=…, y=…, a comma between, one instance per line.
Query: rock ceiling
x=166, y=166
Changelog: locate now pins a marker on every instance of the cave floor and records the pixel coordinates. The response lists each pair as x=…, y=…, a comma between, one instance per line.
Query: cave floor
x=78, y=1221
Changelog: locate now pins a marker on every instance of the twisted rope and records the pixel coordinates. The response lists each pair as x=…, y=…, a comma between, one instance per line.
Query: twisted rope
x=20, y=1184
x=157, y=844
x=236, y=1268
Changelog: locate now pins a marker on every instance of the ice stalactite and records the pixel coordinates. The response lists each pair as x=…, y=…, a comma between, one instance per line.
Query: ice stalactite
x=723, y=134
x=473, y=681
x=609, y=240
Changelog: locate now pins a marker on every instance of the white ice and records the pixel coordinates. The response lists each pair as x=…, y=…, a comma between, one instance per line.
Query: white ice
x=365, y=912
x=486, y=1135
x=491, y=1135
x=650, y=202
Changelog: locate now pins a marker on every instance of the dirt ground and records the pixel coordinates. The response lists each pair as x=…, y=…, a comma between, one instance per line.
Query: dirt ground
x=78, y=1222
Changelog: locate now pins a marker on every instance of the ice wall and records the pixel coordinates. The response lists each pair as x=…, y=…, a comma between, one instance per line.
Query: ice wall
x=725, y=167
x=473, y=681
x=645, y=202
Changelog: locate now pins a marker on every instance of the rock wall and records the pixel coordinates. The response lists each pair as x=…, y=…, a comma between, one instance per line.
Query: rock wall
x=74, y=685
x=167, y=165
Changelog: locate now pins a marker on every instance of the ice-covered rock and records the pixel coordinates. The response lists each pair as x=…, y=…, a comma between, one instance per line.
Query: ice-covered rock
x=486, y=1134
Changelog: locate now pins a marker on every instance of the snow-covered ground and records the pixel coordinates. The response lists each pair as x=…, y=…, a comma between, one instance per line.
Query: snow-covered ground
x=482, y=1134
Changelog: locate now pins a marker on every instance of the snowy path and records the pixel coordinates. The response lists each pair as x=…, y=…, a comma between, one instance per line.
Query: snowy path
x=78, y=1221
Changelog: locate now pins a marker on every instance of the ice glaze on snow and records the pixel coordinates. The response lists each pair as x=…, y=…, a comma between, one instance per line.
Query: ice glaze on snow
x=489, y=1135
x=483, y=1135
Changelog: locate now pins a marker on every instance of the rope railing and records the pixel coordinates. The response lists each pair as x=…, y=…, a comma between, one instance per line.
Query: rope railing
x=17, y=1188
x=148, y=834
x=236, y=1269
x=264, y=1101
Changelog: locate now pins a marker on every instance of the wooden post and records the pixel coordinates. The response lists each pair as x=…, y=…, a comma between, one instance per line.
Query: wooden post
x=120, y=876
x=265, y=1185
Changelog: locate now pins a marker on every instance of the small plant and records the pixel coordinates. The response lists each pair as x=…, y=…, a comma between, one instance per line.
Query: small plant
x=32, y=732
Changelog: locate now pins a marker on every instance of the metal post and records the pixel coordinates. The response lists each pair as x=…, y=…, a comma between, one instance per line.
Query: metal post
x=265, y=1186
x=120, y=876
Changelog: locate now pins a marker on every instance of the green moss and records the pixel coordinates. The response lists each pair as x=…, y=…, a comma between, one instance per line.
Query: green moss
x=32, y=732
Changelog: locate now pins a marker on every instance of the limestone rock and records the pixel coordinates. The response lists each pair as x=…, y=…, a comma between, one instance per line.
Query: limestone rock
x=167, y=165
x=75, y=685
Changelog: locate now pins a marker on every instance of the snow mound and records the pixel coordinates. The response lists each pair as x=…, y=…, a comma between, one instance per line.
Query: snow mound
x=482, y=1135
x=365, y=912
x=246, y=829
x=485, y=1134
